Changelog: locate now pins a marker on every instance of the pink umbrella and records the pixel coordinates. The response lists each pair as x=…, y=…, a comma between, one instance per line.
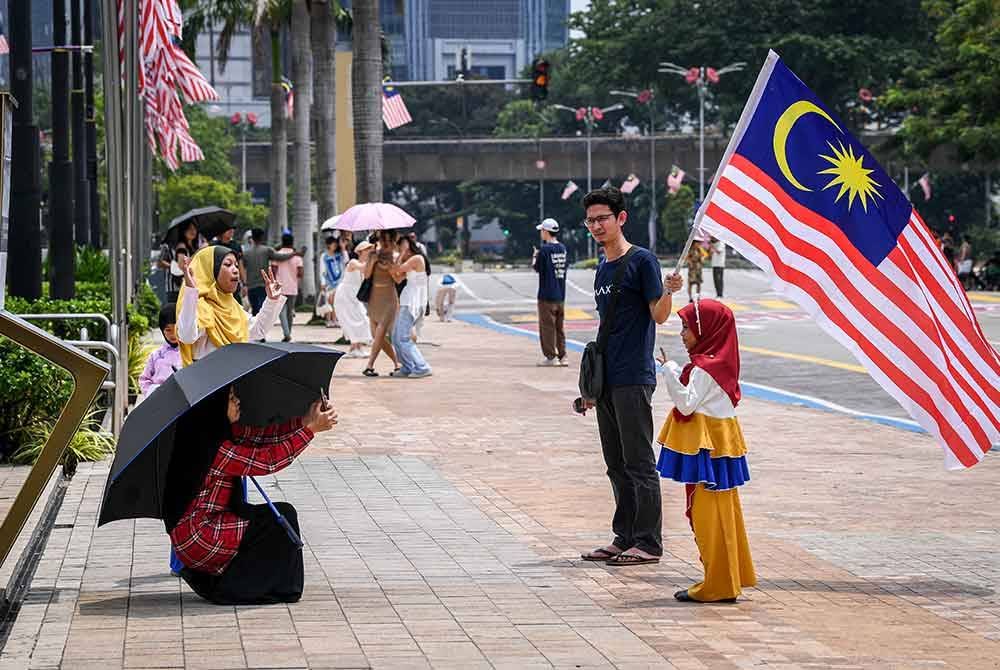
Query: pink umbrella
x=374, y=216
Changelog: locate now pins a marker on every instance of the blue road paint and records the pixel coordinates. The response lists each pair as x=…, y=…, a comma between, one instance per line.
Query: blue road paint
x=750, y=389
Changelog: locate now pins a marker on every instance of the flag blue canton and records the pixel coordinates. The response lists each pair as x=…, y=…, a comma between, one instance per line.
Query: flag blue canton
x=808, y=152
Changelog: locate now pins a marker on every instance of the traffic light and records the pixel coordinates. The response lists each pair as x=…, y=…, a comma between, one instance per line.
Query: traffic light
x=540, y=79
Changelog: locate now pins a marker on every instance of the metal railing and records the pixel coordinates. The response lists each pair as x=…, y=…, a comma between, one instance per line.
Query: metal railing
x=119, y=397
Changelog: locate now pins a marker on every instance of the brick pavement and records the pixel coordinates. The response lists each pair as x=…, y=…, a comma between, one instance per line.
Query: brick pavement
x=444, y=516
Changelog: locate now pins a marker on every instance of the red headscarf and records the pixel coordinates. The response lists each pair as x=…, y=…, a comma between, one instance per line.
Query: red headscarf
x=717, y=351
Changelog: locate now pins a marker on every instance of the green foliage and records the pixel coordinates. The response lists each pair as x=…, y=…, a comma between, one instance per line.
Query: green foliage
x=952, y=99
x=179, y=193
x=523, y=118
x=92, y=265
x=148, y=304
x=216, y=139
x=437, y=111
x=89, y=443
x=450, y=258
x=587, y=264
x=31, y=390
x=676, y=216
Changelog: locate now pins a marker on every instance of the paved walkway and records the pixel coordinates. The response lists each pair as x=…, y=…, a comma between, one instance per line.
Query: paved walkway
x=443, y=519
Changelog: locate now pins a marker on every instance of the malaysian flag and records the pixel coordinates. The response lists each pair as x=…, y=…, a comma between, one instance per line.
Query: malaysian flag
x=4, y=46
x=394, y=111
x=629, y=184
x=800, y=197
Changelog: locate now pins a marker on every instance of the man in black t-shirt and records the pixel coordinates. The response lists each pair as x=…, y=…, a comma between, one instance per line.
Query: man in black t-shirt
x=550, y=264
x=625, y=411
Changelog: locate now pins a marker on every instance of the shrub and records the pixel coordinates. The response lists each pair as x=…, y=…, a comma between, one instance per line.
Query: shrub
x=586, y=264
x=89, y=443
x=148, y=304
x=92, y=265
x=449, y=258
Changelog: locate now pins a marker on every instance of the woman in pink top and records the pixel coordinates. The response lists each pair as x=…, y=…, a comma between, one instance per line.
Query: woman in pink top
x=288, y=273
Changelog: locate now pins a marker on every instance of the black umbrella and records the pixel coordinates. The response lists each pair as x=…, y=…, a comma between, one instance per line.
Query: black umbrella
x=210, y=221
x=275, y=383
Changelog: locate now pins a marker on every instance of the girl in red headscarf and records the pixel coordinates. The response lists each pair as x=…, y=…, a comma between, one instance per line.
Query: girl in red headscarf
x=703, y=448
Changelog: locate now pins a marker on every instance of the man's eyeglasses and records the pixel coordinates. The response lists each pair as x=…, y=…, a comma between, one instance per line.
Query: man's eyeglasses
x=603, y=218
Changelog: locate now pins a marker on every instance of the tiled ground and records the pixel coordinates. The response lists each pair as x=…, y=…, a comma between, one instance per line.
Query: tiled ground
x=444, y=516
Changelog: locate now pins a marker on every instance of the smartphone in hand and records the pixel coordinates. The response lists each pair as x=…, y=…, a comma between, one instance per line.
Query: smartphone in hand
x=324, y=400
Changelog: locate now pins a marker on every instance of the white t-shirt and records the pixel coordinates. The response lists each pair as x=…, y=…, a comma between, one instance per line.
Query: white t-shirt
x=719, y=255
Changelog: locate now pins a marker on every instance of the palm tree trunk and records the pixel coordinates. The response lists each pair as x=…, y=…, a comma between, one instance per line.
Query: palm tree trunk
x=279, y=141
x=302, y=225
x=367, y=90
x=324, y=36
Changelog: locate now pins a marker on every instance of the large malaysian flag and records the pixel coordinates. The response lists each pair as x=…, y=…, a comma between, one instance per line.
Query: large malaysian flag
x=799, y=196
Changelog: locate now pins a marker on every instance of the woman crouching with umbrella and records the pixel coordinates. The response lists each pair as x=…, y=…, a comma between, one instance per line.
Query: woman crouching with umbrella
x=235, y=553
x=208, y=316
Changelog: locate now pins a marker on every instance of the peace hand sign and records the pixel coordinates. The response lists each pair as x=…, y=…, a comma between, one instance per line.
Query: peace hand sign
x=272, y=285
x=188, y=271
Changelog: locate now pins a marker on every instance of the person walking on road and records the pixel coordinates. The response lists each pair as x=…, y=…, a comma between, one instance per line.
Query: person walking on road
x=550, y=264
x=625, y=412
x=703, y=449
x=289, y=273
x=718, y=249
x=257, y=260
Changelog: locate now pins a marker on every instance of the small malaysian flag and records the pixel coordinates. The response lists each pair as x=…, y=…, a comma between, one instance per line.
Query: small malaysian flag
x=629, y=184
x=394, y=111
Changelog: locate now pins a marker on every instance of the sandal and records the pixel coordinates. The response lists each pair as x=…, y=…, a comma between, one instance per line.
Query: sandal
x=369, y=372
x=599, y=554
x=625, y=558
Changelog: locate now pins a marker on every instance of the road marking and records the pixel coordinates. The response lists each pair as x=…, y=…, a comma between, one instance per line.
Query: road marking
x=572, y=285
x=464, y=287
x=750, y=389
x=983, y=297
x=778, y=304
x=570, y=314
x=805, y=359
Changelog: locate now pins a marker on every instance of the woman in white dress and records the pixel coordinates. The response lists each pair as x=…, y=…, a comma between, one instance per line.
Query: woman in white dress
x=351, y=312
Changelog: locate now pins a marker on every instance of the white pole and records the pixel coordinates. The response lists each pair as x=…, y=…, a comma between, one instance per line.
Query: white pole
x=701, y=137
x=243, y=171
x=590, y=186
x=652, y=177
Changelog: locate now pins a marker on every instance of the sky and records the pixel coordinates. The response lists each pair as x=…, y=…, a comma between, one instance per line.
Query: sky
x=577, y=6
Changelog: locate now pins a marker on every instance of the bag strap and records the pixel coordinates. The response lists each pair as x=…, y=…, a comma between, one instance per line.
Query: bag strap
x=604, y=331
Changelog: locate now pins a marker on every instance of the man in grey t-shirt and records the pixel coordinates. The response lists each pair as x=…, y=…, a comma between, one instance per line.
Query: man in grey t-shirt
x=259, y=257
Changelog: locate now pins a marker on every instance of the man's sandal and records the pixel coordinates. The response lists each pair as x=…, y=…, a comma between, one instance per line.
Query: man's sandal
x=599, y=554
x=626, y=558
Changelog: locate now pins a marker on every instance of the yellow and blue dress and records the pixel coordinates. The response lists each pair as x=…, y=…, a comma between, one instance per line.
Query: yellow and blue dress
x=703, y=448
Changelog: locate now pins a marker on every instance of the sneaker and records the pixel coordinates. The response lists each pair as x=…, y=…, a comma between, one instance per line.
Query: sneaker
x=547, y=363
x=563, y=363
x=399, y=373
x=420, y=375
x=286, y=338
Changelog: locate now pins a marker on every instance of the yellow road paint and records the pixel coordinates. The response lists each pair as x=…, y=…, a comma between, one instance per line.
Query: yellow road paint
x=524, y=318
x=575, y=314
x=805, y=359
x=777, y=304
x=984, y=297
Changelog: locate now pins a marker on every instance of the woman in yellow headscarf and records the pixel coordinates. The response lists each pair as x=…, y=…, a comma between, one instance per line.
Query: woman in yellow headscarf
x=208, y=314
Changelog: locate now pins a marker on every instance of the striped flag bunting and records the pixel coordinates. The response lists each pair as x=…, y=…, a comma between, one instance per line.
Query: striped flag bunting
x=800, y=197
x=165, y=74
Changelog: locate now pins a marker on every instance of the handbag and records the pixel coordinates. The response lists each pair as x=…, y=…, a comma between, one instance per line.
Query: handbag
x=592, y=364
x=365, y=290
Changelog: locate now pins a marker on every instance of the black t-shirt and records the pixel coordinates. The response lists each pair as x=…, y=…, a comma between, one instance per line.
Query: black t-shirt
x=551, y=268
x=629, y=354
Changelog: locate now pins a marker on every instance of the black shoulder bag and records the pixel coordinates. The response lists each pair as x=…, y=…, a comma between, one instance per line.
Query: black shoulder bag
x=592, y=365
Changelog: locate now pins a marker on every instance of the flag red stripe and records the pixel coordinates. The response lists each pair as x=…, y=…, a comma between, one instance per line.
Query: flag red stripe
x=868, y=311
x=809, y=285
x=893, y=292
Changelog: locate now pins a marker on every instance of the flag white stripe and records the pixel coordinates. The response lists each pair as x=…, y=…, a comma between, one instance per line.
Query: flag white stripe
x=804, y=300
x=831, y=288
x=936, y=350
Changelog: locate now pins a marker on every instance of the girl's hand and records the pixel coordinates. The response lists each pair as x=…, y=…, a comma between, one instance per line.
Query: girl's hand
x=318, y=419
x=188, y=271
x=272, y=285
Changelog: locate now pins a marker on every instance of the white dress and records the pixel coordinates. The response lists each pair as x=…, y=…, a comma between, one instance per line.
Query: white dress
x=351, y=312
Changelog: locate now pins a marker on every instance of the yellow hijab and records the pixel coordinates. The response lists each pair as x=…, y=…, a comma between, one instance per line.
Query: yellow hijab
x=219, y=314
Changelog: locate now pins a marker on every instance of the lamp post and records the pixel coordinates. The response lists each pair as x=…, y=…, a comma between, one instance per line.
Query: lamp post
x=243, y=122
x=590, y=116
x=645, y=97
x=701, y=77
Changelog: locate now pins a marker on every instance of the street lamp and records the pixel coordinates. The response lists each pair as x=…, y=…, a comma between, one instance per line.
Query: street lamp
x=701, y=77
x=645, y=97
x=243, y=122
x=590, y=116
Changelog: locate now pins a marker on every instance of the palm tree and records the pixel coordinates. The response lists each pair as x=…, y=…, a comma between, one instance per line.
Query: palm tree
x=367, y=99
x=302, y=65
x=324, y=47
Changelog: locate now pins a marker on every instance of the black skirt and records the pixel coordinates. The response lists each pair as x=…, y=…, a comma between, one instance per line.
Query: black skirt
x=267, y=567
